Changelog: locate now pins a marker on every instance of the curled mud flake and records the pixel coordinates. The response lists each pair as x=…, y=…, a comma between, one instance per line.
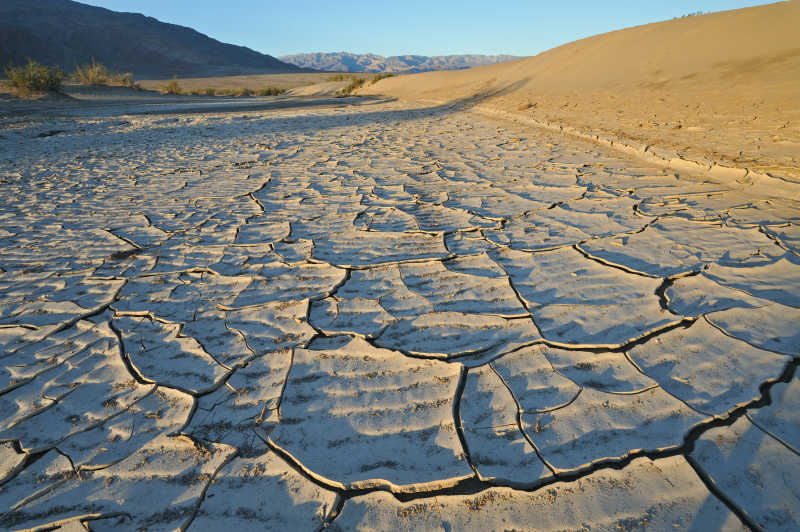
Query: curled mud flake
x=576, y=301
x=249, y=492
x=781, y=418
x=453, y=334
x=753, y=471
x=643, y=493
x=497, y=446
x=705, y=368
x=161, y=354
x=363, y=417
x=158, y=487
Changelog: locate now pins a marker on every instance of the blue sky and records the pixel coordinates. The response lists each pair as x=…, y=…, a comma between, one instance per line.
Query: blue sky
x=422, y=27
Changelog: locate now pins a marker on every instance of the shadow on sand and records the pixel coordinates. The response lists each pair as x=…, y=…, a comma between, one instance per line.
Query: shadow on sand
x=83, y=109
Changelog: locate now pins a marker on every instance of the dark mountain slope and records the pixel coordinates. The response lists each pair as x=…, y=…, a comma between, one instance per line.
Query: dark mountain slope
x=66, y=33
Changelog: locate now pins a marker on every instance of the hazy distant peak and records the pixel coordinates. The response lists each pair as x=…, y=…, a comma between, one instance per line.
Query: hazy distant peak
x=350, y=62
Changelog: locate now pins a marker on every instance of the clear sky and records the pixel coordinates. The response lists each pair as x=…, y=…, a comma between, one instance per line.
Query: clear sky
x=422, y=27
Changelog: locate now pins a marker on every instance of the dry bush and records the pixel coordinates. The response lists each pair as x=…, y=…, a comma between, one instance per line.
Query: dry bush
x=126, y=80
x=379, y=77
x=96, y=73
x=339, y=77
x=34, y=77
x=271, y=91
x=173, y=87
x=207, y=91
x=355, y=84
x=93, y=73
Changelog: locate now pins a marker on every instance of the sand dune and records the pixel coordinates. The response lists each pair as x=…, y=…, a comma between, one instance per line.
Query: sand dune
x=722, y=87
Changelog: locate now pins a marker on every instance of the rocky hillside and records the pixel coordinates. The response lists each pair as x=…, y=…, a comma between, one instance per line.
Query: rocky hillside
x=347, y=62
x=66, y=33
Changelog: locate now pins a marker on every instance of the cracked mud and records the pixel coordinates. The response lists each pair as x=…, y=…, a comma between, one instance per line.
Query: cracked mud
x=382, y=316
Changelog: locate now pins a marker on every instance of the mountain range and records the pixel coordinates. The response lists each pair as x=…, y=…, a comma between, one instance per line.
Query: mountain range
x=348, y=62
x=67, y=33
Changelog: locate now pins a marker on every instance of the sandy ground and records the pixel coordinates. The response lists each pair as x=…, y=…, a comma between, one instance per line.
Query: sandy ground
x=75, y=99
x=716, y=89
x=255, y=82
x=382, y=316
x=78, y=101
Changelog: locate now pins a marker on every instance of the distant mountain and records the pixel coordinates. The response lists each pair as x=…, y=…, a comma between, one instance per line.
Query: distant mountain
x=347, y=62
x=66, y=33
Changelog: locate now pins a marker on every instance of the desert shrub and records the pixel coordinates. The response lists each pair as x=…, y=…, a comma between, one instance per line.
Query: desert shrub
x=94, y=73
x=126, y=80
x=243, y=91
x=352, y=86
x=208, y=91
x=339, y=77
x=173, y=87
x=271, y=91
x=379, y=77
x=34, y=77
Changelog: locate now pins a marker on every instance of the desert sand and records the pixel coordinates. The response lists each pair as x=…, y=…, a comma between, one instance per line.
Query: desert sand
x=253, y=81
x=306, y=313
x=720, y=88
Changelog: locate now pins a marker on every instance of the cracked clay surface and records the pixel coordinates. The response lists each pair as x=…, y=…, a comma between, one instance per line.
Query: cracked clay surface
x=382, y=316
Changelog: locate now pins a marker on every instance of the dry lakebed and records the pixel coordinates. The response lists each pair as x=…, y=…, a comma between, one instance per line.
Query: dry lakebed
x=361, y=314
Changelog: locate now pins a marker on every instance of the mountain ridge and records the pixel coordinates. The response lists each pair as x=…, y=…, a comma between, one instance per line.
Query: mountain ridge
x=396, y=64
x=67, y=33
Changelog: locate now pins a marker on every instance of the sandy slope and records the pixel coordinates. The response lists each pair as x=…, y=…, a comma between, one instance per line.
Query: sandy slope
x=328, y=88
x=723, y=87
